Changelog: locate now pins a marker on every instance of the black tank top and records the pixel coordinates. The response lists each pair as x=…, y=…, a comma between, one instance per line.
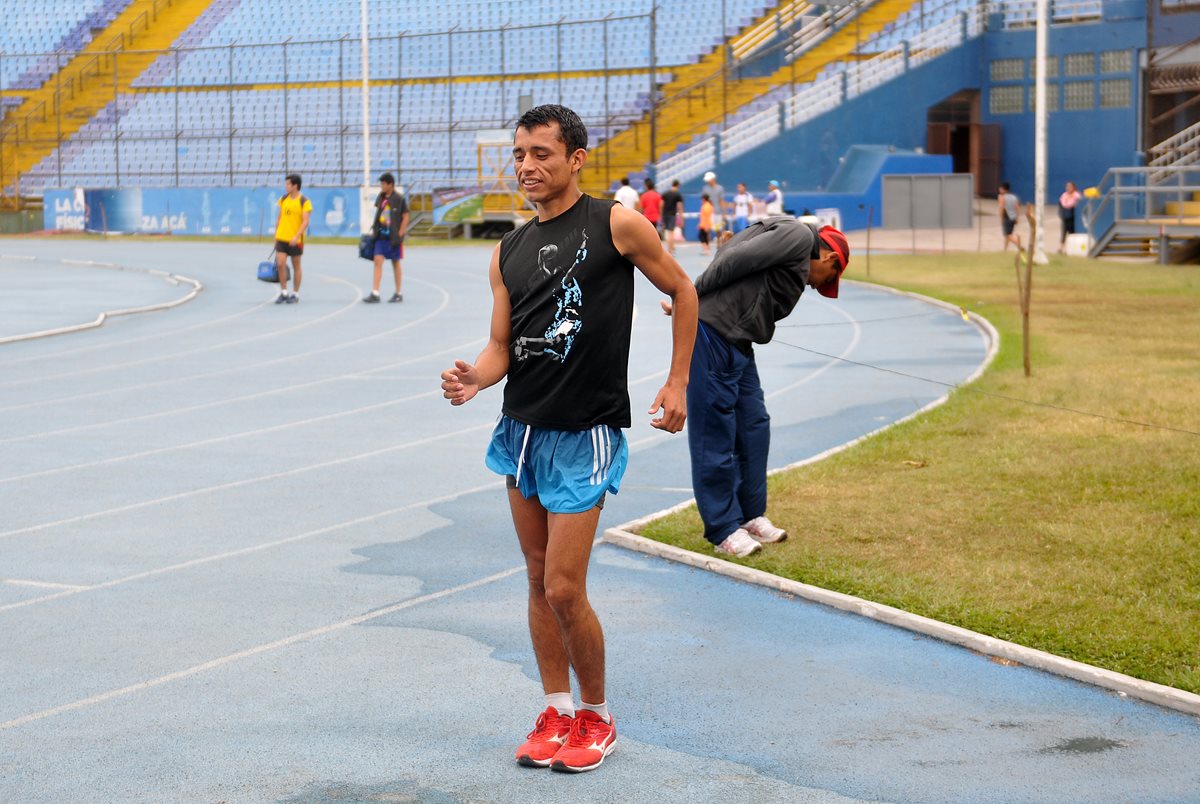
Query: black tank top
x=572, y=311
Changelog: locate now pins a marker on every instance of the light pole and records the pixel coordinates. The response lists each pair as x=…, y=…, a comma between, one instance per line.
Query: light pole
x=366, y=96
x=1039, y=141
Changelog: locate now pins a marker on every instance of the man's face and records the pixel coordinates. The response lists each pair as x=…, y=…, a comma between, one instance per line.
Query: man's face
x=741, y=187
x=291, y=188
x=544, y=168
x=386, y=187
x=823, y=269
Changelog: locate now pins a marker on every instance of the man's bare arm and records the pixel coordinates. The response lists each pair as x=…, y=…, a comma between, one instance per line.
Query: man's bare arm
x=638, y=241
x=463, y=381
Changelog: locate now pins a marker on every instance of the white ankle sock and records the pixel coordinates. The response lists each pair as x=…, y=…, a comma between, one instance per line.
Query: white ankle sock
x=561, y=701
x=600, y=709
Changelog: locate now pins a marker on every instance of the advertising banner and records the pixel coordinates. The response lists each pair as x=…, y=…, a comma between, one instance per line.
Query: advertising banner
x=196, y=211
x=457, y=204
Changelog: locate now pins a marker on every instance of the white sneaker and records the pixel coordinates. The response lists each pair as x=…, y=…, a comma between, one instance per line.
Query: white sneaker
x=738, y=544
x=762, y=531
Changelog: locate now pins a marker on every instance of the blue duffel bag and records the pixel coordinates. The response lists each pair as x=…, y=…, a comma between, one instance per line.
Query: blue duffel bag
x=267, y=272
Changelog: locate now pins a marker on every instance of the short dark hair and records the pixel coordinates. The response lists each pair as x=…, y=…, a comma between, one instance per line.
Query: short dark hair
x=625, y=181
x=570, y=127
x=295, y=179
x=649, y=184
x=675, y=183
x=1005, y=186
x=387, y=178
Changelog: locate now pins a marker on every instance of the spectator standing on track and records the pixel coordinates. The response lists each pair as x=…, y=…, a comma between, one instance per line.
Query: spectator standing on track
x=290, y=225
x=562, y=309
x=672, y=214
x=388, y=228
x=652, y=203
x=706, y=220
x=754, y=281
x=774, y=199
x=743, y=202
x=1009, y=204
x=626, y=195
x=716, y=194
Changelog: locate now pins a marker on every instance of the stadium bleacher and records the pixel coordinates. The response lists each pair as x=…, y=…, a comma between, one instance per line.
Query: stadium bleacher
x=268, y=85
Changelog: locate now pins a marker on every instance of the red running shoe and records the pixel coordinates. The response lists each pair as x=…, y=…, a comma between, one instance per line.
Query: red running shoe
x=590, y=741
x=548, y=735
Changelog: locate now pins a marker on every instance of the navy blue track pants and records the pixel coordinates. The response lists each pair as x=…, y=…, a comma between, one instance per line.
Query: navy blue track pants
x=729, y=434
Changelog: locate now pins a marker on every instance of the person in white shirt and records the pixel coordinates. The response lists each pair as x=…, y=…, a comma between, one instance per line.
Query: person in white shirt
x=626, y=196
x=774, y=199
x=743, y=202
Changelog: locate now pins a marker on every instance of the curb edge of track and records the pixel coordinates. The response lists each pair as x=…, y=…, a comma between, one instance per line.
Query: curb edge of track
x=174, y=279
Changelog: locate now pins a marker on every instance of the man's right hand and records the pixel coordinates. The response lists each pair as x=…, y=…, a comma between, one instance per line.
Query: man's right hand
x=460, y=383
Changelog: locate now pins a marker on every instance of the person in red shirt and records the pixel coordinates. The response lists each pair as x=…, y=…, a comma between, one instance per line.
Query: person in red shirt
x=652, y=204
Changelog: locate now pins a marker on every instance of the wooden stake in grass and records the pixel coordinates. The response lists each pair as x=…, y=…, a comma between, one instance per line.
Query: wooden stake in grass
x=1025, y=283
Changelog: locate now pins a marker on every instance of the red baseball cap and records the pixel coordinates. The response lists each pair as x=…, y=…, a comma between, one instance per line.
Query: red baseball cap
x=835, y=241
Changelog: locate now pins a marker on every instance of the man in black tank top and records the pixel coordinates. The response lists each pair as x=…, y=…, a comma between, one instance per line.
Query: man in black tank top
x=562, y=311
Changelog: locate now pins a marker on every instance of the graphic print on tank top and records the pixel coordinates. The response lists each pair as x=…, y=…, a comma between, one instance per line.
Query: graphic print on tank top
x=568, y=296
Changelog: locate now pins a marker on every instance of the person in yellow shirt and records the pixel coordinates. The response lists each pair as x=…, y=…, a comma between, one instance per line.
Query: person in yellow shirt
x=290, y=226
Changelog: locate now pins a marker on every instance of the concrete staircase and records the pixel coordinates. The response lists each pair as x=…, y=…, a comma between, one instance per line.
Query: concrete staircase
x=90, y=81
x=703, y=94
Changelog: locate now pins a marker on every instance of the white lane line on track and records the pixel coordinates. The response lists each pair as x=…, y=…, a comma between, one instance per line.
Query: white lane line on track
x=233, y=369
x=198, y=350
x=256, y=548
x=74, y=352
x=244, y=398
x=830, y=363
x=309, y=534
x=141, y=686
x=219, y=439
x=183, y=495
x=44, y=585
x=272, y=476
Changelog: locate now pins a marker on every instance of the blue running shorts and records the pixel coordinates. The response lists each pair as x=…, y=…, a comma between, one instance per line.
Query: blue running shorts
x=569, y=471
x=384, y=248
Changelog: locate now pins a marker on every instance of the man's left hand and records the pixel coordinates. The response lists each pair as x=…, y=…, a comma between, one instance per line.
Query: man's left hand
x=673, y=403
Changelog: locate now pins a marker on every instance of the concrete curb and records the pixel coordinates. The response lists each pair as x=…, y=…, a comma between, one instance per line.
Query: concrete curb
x=626, y=536
x=1124, y=685
x=174, y=279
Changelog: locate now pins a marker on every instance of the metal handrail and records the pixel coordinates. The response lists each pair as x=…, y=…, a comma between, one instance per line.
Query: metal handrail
x=1108, y=209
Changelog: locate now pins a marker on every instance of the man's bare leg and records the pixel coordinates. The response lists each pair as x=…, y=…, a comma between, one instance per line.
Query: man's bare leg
x=530, y=520
x=378, y=274
x=296, y=278
x=281, y=270
x=568, y=551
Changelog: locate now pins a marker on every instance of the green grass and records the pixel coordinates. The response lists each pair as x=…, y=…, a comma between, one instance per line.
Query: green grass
x=1064, y=532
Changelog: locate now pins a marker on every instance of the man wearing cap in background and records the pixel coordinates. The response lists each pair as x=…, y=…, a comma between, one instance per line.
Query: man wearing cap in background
x=774, y=199
x=753, y=282
x=716, y=194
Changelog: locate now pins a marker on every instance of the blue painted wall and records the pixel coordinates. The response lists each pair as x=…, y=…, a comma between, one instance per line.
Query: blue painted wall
x=806, y=158
x=1083, y=144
